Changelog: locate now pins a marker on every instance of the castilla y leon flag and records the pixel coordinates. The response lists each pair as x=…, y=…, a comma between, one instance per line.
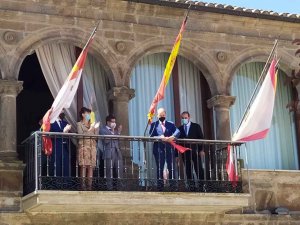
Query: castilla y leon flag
x=257, y=121
x=66, y=94
x=160, y=94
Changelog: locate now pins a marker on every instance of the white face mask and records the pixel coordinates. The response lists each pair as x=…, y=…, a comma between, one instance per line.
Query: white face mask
x=113, y=125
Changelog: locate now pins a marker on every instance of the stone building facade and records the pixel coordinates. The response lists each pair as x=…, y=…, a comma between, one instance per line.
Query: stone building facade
x=218, y=39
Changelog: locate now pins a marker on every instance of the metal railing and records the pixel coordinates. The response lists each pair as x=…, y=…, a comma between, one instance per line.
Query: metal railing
x=127, y=163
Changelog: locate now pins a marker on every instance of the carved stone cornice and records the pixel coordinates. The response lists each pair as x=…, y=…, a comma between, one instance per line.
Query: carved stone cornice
x=122, y=94
x=10, y=87
x=223, y=101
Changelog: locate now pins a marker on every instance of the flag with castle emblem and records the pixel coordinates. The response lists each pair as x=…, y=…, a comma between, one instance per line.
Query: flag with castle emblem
x=65, y=95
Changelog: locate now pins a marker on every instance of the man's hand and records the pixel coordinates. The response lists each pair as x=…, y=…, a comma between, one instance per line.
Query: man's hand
x=202, y=153
x=120, y=127
x=67, y=128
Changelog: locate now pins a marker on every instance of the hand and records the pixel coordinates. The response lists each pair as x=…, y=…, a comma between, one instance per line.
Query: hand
x=92, y=125
x=163, y=138
x=120, y=127
x=67, y=128
x=202, y=153
x=97, y=125
x=171, y=138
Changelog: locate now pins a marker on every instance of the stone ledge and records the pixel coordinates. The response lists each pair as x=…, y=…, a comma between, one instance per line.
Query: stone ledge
x=132, y=202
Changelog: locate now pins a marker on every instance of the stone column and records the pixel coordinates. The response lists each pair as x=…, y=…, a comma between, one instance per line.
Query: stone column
x=9, y=89
x=11, y=170
x=221, y=105
x=120, y=97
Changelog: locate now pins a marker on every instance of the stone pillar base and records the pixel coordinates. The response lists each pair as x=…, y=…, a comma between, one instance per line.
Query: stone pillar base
x=11, y=186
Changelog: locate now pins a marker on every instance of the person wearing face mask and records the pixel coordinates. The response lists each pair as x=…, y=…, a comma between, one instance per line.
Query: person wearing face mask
x=162, y=151
x=112, y=156
x=59, y=161
x=192, y=159
x=86, y=152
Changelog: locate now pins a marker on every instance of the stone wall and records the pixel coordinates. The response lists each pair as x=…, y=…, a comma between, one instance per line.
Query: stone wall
x=146, y=219
x=273, y=188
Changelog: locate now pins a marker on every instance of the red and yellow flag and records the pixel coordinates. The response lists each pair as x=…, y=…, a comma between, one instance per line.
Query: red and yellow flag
x=160, y=94
x=65, y=95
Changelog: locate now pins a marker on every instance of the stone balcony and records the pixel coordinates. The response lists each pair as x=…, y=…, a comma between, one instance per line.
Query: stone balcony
x=45, y=201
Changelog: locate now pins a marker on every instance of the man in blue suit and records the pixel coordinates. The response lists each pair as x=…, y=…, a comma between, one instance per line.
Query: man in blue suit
x=163, y=151
x=59, y=160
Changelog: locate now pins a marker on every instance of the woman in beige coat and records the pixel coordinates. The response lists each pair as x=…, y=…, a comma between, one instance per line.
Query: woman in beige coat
x=86, y=151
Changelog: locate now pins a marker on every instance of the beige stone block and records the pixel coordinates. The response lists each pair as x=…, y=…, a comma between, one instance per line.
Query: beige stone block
x=144, y=29
x=265, y=200
x=145, y=9
x=169, y=12
x=11, y=25
x=112, y=25
x=122, y=6
x=126, y=18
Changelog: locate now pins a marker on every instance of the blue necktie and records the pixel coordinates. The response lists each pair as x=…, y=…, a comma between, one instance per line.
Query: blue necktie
x=185, y=130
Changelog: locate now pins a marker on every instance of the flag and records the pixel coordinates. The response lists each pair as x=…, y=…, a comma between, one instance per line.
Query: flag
x=230, y=168
x=257, y=121
x=179, y=148
x=66, y=94
x=160, y=94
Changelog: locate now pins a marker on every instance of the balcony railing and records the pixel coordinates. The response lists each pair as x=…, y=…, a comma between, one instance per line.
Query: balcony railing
x=135, y=170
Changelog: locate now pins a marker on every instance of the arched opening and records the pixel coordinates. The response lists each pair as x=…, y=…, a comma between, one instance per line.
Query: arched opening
x=33, y=101
x=44, y=72
x=279, y=149
x=187, y=90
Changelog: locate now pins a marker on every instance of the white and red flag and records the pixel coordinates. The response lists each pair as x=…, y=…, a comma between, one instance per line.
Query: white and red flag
x=65, y=95
x=257, y=121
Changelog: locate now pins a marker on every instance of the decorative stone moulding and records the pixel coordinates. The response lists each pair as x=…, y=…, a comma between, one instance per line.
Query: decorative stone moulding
x=120, y=46
x=10, y=37
x=221, y=56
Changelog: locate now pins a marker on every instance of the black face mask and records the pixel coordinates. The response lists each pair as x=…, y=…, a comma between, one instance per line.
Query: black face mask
x=62, y=116
x=162, y=119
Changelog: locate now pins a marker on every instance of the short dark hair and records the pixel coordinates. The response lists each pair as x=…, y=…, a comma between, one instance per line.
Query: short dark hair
x=83, y=110
x=109, y=118
x=186, y=112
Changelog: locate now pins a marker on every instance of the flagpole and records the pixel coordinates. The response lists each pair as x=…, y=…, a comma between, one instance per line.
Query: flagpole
x=184, y=21
x=258, y=82
x=92, y=34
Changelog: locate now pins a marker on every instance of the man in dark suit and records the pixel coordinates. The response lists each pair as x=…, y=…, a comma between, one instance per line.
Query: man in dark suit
x=162, y=151
x=59, y=161
x=112, y=156
x=190, y=130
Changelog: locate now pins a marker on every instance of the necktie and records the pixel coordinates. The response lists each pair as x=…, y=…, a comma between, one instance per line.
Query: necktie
x=185, y=130
x=163, y=127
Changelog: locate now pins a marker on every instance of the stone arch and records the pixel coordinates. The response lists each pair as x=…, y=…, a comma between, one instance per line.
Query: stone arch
x=256, y=55
x=202, y=61
x=74, y=36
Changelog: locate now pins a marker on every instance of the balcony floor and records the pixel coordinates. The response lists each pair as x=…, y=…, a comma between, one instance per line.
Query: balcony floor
x=44, y=201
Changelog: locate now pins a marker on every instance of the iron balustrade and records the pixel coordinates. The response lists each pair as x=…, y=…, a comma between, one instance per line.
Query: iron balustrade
x=135, y=171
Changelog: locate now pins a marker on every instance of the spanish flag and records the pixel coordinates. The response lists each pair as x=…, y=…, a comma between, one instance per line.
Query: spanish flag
x=160, y=94
x=65, y=95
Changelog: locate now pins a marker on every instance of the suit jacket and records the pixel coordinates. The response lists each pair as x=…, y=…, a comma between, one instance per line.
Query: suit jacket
x=55, y=127
x=110, y=146
x=195, y=132
x=156, y=131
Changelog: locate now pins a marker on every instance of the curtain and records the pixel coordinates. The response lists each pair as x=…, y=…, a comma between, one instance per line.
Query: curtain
x=145, y=79
x=56, y=61
x=95, y=87
x=190, y=89
x=279, y=149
